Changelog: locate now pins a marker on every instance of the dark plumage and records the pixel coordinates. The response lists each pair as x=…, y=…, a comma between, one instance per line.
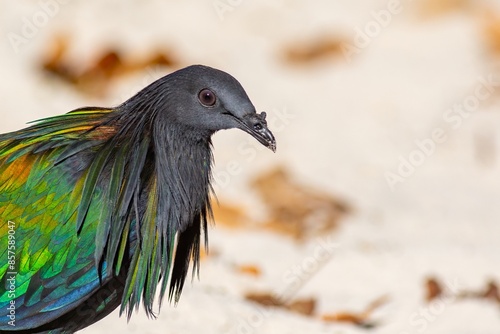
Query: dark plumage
x=102, y=199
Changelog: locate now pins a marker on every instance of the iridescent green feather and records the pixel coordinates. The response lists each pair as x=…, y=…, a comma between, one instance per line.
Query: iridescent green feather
x=41, y=198
x=92, y=205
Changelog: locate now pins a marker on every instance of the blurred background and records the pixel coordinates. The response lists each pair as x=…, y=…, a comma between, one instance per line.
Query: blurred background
x=379, y=212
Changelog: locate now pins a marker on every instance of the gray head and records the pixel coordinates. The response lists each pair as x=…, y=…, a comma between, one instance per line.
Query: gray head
x=206, y=100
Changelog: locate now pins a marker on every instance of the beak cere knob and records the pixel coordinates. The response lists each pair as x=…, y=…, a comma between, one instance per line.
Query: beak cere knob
x=257, y=127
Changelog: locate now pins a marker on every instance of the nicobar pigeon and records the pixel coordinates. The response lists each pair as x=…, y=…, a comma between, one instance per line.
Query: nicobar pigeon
x=105, y=205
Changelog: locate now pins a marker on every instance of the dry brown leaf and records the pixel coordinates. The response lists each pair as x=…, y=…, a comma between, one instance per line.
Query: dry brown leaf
x=359, y=319
x=490, y=292
x=251, y=270
x=297, y=210
x=433, y=289
x=294, y=210
x=263, y=298
x=231, y=216
x=306, y=52
x=356, y=319
x=302, y=306
x=54, y=62
x=96, y=78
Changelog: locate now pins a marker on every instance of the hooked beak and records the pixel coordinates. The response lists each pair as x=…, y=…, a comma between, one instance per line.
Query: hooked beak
x=256, y=125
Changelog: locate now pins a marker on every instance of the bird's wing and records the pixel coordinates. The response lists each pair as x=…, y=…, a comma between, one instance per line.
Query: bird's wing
x=81, y=194
x=48, y=253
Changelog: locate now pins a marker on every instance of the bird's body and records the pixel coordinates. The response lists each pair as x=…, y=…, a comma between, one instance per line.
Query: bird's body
x=100, y=206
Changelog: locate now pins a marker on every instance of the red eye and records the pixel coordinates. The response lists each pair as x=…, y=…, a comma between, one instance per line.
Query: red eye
x=207, y=97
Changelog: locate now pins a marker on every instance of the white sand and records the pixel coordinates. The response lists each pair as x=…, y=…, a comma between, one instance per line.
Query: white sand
x=350, y=123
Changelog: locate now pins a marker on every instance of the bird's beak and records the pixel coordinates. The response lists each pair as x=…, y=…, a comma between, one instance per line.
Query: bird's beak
x=256, y=125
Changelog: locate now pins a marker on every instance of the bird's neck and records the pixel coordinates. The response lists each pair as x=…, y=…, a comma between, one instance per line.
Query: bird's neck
x=184, y=160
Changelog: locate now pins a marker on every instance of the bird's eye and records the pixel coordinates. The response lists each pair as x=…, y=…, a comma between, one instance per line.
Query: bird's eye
x=207, y=97
x=257, y=126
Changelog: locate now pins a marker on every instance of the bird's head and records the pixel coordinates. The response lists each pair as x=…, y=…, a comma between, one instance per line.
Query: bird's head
x=208, y=100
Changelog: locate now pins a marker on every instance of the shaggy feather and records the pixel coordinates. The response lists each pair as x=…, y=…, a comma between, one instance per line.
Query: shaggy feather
x=104, y=198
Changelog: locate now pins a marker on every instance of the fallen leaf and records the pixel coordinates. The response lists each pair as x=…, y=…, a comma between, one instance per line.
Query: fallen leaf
x=96, y=78
x=302, y=306
x=230, y=216
x=263, y=298
x=360, y=319
x=307, y=52
x=355, y=319
x=295, y=209
x=250, y=270
x=433, y=289
x=54, y=62
x=491, y=292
